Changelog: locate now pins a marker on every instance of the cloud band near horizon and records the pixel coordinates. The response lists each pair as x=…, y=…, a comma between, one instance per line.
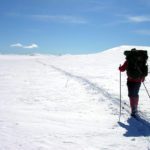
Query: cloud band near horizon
x=19, y=45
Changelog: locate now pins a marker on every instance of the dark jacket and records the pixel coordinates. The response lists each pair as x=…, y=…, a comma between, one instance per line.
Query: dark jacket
x=124, y=67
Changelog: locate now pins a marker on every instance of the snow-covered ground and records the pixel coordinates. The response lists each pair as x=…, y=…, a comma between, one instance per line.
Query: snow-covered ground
x=69, y=102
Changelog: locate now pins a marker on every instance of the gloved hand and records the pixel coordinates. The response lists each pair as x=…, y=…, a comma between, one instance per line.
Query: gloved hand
x=119, y=68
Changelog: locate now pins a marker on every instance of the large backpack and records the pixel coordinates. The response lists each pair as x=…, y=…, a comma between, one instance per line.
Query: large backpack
x=137, y=63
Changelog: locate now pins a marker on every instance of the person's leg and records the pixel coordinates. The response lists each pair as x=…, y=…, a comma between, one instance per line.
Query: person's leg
x=133, y=93
x=134, y=104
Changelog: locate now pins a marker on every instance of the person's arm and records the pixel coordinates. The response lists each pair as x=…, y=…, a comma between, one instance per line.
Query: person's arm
x=123, y=67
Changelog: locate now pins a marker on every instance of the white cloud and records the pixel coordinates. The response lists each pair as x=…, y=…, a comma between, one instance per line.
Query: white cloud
x=19, y=45
x=16, y=45
x=60, y=18
x=31, y=46
x=138, y=19
x=53, y=18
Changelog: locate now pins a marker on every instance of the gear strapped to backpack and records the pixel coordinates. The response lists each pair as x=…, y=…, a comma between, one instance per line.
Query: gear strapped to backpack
x=137, y=63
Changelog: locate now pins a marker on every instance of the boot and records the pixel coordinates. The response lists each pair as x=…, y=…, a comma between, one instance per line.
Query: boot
x=134, y=105
x=134, y=111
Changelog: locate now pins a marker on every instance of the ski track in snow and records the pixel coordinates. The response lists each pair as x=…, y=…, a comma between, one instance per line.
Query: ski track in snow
x=87, y=83
x=91, y=87
x=142, y=122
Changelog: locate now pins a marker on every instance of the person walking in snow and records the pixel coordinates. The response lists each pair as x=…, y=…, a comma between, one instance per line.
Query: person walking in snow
x=133, y=83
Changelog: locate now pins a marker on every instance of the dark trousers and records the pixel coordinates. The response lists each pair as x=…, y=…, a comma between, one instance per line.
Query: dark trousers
x=133, y=89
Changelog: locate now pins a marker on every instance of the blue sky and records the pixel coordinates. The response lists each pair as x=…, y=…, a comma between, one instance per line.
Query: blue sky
x=72, y=26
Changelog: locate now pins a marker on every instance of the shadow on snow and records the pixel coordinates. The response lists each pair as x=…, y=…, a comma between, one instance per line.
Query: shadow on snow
x=136, y=127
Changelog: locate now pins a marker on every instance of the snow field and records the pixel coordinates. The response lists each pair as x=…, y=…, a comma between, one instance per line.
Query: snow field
x=66, y=103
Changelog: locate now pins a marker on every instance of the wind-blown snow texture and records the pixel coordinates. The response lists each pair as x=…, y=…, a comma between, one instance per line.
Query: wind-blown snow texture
x=69, y=102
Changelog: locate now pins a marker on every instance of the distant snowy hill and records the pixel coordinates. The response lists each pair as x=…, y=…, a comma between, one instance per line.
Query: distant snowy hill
x=69, y=102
